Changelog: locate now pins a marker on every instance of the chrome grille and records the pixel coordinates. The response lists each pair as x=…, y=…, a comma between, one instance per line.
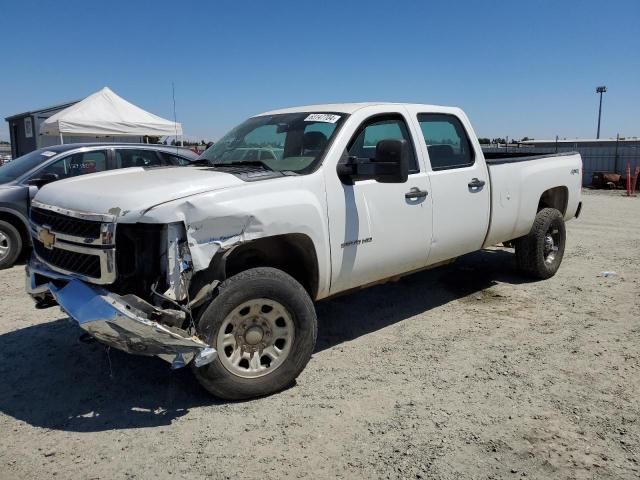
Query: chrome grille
x=87, y=265
x=75, y=243
x=65, y=224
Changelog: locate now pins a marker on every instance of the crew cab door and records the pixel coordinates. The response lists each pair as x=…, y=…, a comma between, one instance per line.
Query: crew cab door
x=460, y=187
x=378, y=230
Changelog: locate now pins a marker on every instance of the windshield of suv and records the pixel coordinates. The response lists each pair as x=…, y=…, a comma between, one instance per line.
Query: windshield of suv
x=284, y=142
x=21, y=165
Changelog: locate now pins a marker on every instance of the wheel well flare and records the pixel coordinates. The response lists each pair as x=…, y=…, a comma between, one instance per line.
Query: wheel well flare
x=556, y=197
x=294, y=254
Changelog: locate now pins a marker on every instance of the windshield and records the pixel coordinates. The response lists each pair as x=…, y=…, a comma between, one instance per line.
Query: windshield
x=21, y=165
x=285, y=142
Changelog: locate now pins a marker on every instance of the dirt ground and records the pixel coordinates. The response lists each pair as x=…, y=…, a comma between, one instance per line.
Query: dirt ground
x=466, y=371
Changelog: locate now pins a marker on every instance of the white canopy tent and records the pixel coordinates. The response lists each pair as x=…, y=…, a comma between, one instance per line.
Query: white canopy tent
x=106, y=114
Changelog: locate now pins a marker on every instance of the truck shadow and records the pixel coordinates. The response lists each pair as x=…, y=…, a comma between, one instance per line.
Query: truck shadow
x=51, y=380
x=348, y=317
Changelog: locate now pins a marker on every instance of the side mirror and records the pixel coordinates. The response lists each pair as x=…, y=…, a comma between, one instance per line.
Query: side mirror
x=390, y=165
x=44, y=179
x=392, y=161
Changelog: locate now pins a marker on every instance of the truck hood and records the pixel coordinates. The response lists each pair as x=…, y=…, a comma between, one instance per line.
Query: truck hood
x=133, y=189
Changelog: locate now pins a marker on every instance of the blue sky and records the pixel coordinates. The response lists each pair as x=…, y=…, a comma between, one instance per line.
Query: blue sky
x=517, y=67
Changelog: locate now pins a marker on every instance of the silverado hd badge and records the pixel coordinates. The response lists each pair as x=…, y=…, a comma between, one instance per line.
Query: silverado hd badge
x=360, y=241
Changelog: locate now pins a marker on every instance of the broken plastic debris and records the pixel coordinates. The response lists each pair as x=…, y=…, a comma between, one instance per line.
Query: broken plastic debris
x=178, y=362
x=206, y=356
x=608, y=274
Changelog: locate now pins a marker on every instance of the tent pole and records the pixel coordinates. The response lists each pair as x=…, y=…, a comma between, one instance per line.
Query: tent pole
x=61, y=140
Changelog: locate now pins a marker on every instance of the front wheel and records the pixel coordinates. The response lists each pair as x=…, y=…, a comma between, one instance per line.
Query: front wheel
x=263, y=326
x=539, y=253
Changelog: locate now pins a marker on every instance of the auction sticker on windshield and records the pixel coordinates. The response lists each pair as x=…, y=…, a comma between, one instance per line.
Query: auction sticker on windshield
x=322, y=117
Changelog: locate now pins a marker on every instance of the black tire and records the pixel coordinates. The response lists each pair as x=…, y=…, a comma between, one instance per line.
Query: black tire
x=534, y=255
x=11, y=239
x=263, y=282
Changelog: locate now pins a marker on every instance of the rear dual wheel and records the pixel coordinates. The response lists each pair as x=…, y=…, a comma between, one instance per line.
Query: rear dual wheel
x=263, y=326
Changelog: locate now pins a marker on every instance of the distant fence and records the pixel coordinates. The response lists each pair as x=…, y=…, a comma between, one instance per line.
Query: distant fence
x=597, y=156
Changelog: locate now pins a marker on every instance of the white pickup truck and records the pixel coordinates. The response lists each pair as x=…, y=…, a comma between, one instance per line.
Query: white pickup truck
x=218, y=265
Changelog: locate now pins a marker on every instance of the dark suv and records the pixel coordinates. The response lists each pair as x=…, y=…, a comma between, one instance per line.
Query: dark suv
x=21, y=179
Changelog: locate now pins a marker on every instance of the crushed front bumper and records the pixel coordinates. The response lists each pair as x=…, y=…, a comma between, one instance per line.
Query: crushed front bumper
x=120, y=322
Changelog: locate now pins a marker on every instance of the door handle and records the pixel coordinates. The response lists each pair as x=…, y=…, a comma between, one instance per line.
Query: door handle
x=415, y=193
x=475, y=183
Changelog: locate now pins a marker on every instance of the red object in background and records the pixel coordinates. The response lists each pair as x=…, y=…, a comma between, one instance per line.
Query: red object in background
x=634, y=180
x=195, y=150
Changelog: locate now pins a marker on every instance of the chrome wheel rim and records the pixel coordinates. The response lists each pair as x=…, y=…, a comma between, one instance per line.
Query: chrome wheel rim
x=255, y=338
x=5, y=246
x=551, y=242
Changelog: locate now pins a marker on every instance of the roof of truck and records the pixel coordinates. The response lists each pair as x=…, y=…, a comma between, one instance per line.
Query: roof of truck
x=340, y=107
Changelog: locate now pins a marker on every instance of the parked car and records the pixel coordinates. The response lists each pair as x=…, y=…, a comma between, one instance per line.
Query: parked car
x=21, y=179
x=218, y=266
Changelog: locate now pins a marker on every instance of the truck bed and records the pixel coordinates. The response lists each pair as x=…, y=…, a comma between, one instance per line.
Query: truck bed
x=517, y=184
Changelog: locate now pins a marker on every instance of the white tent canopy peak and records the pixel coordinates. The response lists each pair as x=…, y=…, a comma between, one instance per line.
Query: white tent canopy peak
x=106, y=114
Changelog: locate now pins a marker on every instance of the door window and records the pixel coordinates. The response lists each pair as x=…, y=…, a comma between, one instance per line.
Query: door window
x=77, y=164
x=130, y=157
x=447, y=142
x=381, y=128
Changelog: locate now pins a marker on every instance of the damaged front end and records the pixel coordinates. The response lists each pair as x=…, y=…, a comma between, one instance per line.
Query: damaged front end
x=136, y=299
x=131, y=324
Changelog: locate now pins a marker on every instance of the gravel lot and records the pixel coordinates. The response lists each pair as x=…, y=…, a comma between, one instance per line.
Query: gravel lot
x=466, y=371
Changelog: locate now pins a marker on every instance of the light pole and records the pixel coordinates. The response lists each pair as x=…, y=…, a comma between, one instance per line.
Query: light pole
x=600, y=90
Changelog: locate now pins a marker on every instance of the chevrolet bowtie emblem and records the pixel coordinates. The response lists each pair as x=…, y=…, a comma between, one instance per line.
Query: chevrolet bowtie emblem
x=47, y=238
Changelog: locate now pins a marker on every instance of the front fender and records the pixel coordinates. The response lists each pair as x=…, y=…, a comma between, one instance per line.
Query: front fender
x=224, y=219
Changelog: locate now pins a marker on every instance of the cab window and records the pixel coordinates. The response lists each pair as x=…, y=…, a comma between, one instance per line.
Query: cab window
x=447, y=142
x=77, y=164
x=388, y=127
